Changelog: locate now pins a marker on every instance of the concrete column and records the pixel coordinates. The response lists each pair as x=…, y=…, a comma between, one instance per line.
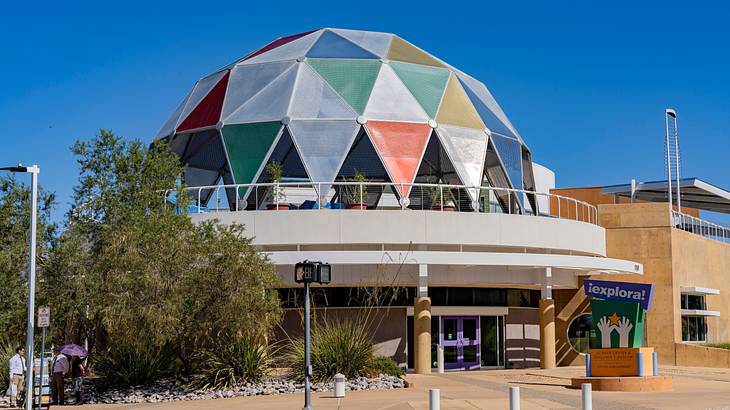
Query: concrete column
x=422, y=334
x=547, y=334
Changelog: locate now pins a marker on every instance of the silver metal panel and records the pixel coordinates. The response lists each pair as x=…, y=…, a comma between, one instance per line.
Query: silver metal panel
x=169, y=127
x=376, y=43
x=270, y=104
x=391, y=100
x=467, y=148
x=247, y=80
x=313, y=98
x=486, y=97
x=289, y=51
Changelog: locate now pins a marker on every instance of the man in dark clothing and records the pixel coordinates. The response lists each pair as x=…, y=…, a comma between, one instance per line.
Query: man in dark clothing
x=59, y=368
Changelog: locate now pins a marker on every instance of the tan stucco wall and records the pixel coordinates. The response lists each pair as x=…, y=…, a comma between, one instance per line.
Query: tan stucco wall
x=702, y=356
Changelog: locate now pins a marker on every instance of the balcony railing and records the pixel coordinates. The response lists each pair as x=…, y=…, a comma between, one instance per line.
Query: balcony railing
x=700, y=227
x=382, y=195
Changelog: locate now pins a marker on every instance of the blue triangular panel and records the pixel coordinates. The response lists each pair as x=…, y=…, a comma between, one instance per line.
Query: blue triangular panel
x=490, y=120
x=330, y=45
x=510, y=152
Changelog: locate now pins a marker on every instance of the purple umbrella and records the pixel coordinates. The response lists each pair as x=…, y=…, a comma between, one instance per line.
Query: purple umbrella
x=74, y=350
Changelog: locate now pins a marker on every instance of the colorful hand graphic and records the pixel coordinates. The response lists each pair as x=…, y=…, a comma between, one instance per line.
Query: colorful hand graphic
x=624, y=328
x=604, y=325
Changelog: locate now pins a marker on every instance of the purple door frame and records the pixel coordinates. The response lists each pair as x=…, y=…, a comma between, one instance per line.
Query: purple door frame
x=459, y=342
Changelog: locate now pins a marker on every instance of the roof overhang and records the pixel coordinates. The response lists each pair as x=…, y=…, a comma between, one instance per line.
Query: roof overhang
x=694, y=193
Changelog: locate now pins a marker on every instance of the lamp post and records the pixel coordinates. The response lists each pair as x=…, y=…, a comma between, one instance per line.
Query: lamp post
x=33, y=170
x=307, y=272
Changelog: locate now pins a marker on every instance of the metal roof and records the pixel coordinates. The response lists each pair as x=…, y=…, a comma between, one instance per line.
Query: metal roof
x=695, y=193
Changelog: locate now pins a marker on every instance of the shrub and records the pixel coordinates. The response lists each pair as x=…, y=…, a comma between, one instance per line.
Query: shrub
x=720, y=346
x=337, y=347
x=385, y=365
x=7, y=350
x=131, y=365
x=246, y=359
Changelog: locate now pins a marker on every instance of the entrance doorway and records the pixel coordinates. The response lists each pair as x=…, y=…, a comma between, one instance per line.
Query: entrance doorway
x=461, y=339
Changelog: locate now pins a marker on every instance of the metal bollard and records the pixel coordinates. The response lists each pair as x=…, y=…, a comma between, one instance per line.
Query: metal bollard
x=655, y=362
x=588, y=365
x=434, y=399
x=339, y=385
x=640, y=364
x=514, y=398
x=586, y=396
x=440, y=358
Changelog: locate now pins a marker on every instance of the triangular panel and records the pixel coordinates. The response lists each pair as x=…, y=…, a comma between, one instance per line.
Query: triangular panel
x=290, y=51
x=247, y=80
x=201, y=89
x=487, y=107
x=352, y=79
x=270, y=104
x=247, y=146
x=205, y=151
x=510, y=152
x=401, y=50
x=391, y=100
x=323, y=146
x=401, y=146
x=427, y=84
x=169, y=127
x=208, y=111
x=467, y=149
x=376, y=43
x=277, y=43
x=314, y=98
x=331, y=45
x=456, y=108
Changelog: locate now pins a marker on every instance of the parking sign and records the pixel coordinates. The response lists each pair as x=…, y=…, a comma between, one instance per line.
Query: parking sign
x=44, y=316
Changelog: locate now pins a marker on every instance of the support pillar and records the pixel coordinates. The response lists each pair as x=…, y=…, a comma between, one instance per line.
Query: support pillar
x=422, y=334
x=547, y=323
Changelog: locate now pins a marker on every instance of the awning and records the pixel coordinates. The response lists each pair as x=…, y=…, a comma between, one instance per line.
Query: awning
x=694, y=193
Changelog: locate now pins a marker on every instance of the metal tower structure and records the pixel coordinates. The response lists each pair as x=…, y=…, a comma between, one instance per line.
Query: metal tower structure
x=671, y=150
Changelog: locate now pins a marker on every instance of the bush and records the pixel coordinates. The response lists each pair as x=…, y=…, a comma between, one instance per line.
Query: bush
x=725, y=346
x=130, y=365
x=246, y=359
x=7, y=350
x=337, y=347
x=385, y=365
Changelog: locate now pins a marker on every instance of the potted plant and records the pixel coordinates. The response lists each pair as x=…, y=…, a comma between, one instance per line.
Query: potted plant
x=437, y=204
x=355, y=194
x=275, y=172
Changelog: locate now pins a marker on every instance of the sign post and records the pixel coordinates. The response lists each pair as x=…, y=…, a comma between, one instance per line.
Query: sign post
x=44, y=320
x=307, y=272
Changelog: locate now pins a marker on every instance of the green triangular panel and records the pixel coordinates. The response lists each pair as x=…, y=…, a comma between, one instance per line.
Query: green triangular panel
x=247, y=146
x=352, y=79
x=426, y=83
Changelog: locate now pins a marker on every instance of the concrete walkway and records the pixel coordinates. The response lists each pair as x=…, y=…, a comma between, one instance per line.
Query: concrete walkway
x=694, y=388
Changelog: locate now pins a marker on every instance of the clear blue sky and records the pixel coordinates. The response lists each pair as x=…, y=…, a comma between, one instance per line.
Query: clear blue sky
x=585, y=84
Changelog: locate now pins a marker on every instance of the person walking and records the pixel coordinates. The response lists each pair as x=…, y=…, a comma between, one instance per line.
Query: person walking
x=77, y=377
x=17, y=375
x=59, y=368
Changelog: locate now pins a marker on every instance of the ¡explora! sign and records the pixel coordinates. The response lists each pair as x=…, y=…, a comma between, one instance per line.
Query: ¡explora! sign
x=620, y=291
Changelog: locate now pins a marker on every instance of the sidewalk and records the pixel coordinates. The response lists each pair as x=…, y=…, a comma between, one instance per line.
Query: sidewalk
x=694, y=388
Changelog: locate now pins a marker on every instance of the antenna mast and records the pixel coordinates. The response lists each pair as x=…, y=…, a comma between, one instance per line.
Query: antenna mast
x=671, y=148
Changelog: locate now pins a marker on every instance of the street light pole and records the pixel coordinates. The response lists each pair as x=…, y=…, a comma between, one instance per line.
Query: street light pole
x=33, y=170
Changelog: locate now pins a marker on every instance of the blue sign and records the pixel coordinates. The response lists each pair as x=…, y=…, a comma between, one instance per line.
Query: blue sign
x=640, y=293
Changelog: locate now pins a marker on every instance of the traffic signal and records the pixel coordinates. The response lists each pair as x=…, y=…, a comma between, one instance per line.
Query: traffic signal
x=309, y=272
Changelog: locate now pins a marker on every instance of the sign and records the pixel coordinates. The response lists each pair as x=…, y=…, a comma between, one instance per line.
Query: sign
x=44, y=316
x=640, y=293
x=308, y=272
x=616, y=324
x=620, y=362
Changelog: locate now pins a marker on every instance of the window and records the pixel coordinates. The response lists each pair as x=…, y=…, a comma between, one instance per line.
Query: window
x=579, y=332
x=695, y=302
x=694, y=329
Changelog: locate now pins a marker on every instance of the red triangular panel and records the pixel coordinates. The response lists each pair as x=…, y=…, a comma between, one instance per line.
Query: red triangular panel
x=208, y=111
x=278, y=43
x=401, y=146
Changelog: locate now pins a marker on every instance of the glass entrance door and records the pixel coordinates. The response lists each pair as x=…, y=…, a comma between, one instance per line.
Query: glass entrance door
x=460, y=337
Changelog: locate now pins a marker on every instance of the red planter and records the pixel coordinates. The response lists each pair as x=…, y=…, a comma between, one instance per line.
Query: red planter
x=277, y=207
x=357, y=206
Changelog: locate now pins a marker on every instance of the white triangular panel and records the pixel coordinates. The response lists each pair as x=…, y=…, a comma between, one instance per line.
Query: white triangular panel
x=201, y=89
x=169, y=127
x=270, y=104
x=486, y=97
x=323, y=146
x=467, y=148
x=247, y=80
x=376, y=43
x=289, y=51
x=313, y=98
x=391, y=100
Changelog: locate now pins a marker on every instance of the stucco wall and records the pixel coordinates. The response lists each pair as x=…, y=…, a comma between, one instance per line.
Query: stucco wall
x=702, y=356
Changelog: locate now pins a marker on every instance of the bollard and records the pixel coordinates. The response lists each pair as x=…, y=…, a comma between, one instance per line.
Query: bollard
x=640, y=365
x=440, y=358
x=339, y=385
x=514, y=398
x=586, y=396
x=588, y=365
x=655, y=362
x=434, y=399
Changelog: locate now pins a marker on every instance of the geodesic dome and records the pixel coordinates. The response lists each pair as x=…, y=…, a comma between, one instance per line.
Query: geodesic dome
x=332, y=102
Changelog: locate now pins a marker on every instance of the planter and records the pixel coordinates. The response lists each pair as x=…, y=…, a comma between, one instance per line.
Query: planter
x=277, y=207
x=361, y=207
x=445, y=208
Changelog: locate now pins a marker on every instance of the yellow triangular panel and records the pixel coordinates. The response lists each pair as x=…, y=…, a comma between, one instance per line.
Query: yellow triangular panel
x=456, y=108
x=401, y=50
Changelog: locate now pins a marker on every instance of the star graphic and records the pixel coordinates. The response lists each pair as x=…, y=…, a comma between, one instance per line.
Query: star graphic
x=614, y=318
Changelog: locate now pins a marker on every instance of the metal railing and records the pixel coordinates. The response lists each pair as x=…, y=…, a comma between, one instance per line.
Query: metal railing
x=382, y=195
x=700, y=226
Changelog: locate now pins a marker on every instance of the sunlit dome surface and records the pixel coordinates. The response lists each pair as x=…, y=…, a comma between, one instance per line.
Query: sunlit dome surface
x=332, y=102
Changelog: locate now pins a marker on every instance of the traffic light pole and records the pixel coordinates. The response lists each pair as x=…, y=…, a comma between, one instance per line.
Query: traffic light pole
x=307, y=363
x=31, y=289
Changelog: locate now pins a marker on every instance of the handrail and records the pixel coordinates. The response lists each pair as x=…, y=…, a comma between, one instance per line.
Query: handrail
x=700, y=226
x=565, y=207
